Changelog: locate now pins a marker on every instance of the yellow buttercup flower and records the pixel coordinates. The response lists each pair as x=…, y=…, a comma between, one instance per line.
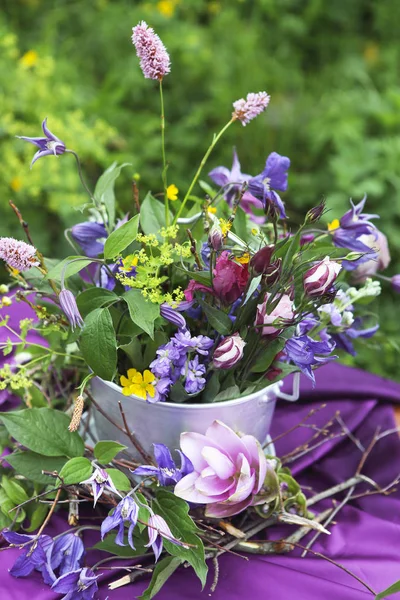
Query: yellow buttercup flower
x=172, y=192
x=212, y=210
x=29, y=59
x=243, y=259
x=225, y=226
x=128, y=264
x=137, y=384
x=333, y=225
x=166, y=7
x=16, y=184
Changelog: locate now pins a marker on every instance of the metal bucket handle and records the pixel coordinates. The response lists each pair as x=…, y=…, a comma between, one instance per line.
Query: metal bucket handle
x=295, y=392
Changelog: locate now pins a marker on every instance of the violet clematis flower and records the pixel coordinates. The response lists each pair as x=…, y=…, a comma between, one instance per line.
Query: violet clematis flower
x=49, y=144
x=377, y=241
x=126, y=511
x=34, y=554
x=172, y=315
x=66, y=554
x=303, y=351
x=273, y=177
x=70, y=308
x=158, y=529
x=76, y=585
x=100, y=481
x=166, y=472
x=229, y=470
x=232, y=180
x=343, y=339
x=90, y=235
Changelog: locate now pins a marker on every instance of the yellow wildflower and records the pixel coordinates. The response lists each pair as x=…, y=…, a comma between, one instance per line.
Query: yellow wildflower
x=6, y=301
x=16, y=184
x=166, y=7
x=225, y=226
x=333, y=225
x=255, y=231
x=137, y=384
x=212, y=210
x=172, y=192
x=29, y=59
x=128, y=264
x=243, y=259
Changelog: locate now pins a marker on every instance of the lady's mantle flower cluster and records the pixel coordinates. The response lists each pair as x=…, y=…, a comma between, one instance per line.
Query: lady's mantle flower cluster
x=18, y=255
x=154, y=58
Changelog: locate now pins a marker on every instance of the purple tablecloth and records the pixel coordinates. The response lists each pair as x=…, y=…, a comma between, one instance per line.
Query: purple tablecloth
x=365, y=538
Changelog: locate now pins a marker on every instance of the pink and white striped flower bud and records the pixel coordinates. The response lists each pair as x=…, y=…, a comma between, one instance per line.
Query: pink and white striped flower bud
x=229, y=352
x=319, y=279
x=215, y=237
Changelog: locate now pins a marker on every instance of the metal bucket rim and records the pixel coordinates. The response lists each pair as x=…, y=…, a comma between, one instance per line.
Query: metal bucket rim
x=272, y=387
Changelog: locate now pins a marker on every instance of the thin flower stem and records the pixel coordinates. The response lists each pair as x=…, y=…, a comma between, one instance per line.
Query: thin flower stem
x=199, y=170
x=164, y=171
x=78, y=162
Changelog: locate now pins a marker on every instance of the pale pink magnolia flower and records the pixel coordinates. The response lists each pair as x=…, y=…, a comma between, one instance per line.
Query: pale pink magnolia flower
x=154, y=58
x=255, y=104
x=18, y=255
x=284, y=311
x=229, y=470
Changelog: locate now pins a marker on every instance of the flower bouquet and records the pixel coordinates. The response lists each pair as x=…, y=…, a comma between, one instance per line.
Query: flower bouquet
x=188, y=300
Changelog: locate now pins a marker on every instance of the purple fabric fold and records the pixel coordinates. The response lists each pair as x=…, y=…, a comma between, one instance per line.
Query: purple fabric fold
x=365, y=538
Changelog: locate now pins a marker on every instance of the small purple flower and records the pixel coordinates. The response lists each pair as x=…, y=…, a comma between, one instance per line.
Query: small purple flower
x=205, y=253
x=199, y=343
x=249, y=109
x=161, y=390
x=50, y=144
x=172, y=315
x=76, y=585
x=100, y=481
x=158, y=529
x=194, y=373
x=70, y=308
x=396, y=283
x=89, y=235
x=33, y=555
x=154, y=58
x=166, y=472
x=168, y=356
x=344, y=340
x=303, y=351
x=18, y=255
x=273, y=177
x=126, y=511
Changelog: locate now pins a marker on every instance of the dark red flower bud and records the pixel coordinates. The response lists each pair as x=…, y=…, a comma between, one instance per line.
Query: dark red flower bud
x=315, y=213
x=262, y=259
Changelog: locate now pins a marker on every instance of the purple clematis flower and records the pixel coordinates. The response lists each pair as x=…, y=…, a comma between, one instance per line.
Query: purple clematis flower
x=49, y=144
x=343, y=339
x=273, y=177
x=70, y=308
x=172, y=315
x=303, y=351
x=76, y=585
x=126, y=511
x=194, y=373
x=100, y=481
x=66, y=554
x=158, y=529
x=166, y=472
x=232, y=180
x=89, y=236
x=34, y=555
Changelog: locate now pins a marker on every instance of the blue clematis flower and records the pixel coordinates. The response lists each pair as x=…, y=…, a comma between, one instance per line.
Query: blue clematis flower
x=34, y=555
x=273, y=177
x=158, y=529
x=166, y=471
x=49, y=144
x=126, y=511
x=344, y=339
x=66, y=553
x=90, y=236
x=303, y=351
x=76, y=585
x=232, y=179
x=100, y=481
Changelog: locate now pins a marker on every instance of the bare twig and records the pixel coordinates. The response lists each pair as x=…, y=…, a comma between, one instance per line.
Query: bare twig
x=349, y=433
x=149, y=460
x=308, y=416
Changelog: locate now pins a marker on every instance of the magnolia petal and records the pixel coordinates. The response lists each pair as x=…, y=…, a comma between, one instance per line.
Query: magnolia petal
x=222, y=510
x=192, y=445
x=220, y=463
x=186, y=489
x=227, y=439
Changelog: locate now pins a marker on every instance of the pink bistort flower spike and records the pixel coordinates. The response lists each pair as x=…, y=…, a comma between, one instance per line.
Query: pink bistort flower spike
x=154, y=58
x=18, y=255
x=249, y=109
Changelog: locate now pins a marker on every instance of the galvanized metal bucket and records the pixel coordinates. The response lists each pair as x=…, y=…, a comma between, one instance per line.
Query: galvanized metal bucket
x=165, y=421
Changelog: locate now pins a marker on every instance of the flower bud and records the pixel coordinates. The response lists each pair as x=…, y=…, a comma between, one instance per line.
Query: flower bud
x=262, y=259
x=215, y=237
x=319, y=279
x=396, y=283
x=228, y=352
x=315, y=213
x=70, y=308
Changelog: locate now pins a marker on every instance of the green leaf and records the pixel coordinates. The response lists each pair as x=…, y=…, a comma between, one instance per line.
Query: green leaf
x=252, y=288
x=76, y=470
x=94, y=298
x=37, y=515
x=240, y=224
x=176, y=513
x=30, y=465
x=99, y=344
x=202, y=277
x=72, y=268
x=109, y=545
x=217, y=318
x=105, y=451
x=104, y=190
x=44, y=430
x=120, y=480
x=144, y=513
x=14, y=490
x=142, y=312
x=163, y=571
x=389, y=591
x=6, y=504
x=267, y=355
x=120, y=239
x=152, y=215
x=228, y=394
x=5, y=520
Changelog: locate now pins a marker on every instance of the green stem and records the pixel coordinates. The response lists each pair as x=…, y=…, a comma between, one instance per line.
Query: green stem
x=164, y=171
x=199, y=170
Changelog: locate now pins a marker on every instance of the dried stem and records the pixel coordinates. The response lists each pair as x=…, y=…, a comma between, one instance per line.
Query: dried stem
x=149, y=460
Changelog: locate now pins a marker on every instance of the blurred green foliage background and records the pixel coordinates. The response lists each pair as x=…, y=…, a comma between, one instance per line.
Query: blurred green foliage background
x=332, y=69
